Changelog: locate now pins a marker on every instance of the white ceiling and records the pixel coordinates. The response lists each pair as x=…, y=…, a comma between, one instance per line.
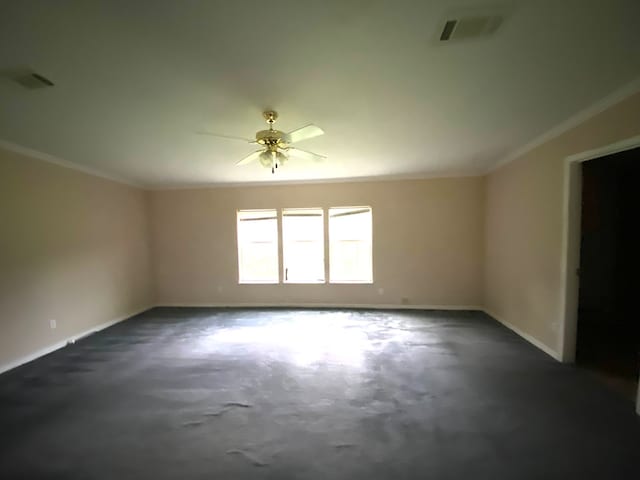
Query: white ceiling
x=135, y=79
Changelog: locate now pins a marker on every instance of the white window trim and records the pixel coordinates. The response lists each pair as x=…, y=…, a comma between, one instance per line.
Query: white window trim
x=283, y=267
x=242, y=281
x=326, y=244
x=328, y=236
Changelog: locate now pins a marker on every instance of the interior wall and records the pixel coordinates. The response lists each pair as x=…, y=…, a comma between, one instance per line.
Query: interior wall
x=73, y=248
x=524, y=225
x=85, y=251
x=427, y=243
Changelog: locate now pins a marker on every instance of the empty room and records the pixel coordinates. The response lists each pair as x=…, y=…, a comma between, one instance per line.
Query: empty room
x=283, y=239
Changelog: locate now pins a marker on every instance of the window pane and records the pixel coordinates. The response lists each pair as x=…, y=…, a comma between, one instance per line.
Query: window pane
x=303, y=245
x=258, y=246
x=350, y=251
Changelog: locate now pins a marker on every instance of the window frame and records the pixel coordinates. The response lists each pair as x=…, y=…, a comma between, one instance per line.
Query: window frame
x=281, y=278
x=323, y=240
x=239, y=242
x=370, y=280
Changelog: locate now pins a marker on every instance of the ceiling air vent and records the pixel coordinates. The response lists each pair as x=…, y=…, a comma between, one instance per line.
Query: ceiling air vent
x=32, y=80
x=469, y=27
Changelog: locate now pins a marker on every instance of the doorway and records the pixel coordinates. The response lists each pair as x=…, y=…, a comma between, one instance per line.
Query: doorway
x=608, y=325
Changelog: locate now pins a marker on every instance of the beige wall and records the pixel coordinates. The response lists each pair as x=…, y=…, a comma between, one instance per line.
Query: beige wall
x=80, y=249
x=524, y=224
x=427, y=243
x=73, y=248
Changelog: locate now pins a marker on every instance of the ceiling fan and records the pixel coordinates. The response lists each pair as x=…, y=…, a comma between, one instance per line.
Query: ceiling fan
x=276, y=145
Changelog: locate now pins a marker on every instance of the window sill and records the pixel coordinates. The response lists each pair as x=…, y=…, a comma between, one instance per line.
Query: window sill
x=310, y=282
x=351, y=282
x=303, y=282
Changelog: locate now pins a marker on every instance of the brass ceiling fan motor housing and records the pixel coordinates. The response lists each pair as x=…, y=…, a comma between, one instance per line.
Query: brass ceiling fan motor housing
x=273, y=139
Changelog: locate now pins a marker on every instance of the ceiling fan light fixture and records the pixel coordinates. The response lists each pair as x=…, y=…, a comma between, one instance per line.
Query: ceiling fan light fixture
x=272, y=159
x=266, y=159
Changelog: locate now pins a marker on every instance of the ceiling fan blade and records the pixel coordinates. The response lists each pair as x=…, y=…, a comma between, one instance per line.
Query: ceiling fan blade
x=250, y=158
x=228, y=137
x=305, y=133
x=296, y=152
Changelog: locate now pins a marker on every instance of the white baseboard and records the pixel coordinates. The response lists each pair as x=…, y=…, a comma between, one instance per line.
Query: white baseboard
x=532, y=340
x=52, y=348
x=324, y=305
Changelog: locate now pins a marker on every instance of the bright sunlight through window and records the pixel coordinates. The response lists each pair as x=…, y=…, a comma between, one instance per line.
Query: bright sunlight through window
x=303, y=245
x=350, y=251
x=258, y=246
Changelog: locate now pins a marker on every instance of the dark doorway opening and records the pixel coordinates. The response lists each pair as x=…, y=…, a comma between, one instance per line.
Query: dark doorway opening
x=608, y=337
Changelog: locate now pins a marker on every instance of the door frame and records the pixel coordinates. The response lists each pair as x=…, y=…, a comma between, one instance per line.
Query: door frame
x=571, y=217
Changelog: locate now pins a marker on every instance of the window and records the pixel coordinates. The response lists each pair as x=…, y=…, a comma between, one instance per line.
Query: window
x=350, y=252
x=258, y=246
x=303, y=245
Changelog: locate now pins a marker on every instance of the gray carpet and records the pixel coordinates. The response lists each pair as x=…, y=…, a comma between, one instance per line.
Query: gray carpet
x=328, y=394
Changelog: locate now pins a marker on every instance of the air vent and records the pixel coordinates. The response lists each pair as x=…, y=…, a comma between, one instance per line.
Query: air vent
x=470, y=27
x=33, y=81
x=448, y=29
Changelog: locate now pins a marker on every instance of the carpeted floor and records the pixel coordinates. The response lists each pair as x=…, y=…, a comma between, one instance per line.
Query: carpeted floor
x=310, y=394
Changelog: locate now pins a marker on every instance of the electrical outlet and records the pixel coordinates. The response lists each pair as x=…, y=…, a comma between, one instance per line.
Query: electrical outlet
x=381, y=291
x=405, y=300
x=53, y=324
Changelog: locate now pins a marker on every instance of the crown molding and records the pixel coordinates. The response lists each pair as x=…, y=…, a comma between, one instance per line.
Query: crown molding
x=582, y=116
x=319, y=181
x=572, y=122
x=38, y=155
x=14, y=147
